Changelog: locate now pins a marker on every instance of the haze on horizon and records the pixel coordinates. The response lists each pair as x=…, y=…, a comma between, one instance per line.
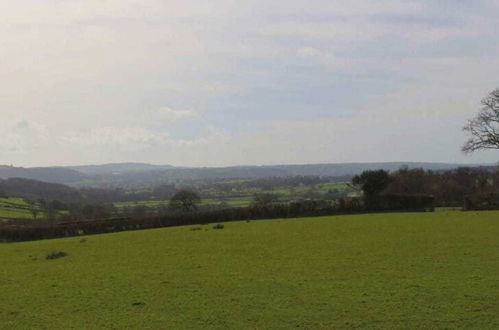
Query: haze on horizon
x=230, y=82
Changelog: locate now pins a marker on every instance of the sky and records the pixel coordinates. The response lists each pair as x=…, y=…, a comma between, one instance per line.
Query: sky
x=243, y=82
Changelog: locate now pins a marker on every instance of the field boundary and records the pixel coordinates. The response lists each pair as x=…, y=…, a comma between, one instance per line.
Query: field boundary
x=14, y=231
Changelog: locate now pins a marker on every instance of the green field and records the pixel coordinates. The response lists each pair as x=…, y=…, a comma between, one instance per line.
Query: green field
x=245, y=197
x=16, y=208
x=229, y=201
x=151, y=203
x=385, y=271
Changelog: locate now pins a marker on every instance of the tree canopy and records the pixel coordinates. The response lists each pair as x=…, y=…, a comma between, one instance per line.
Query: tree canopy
x=184, y=200
x=484, y=127
x=372, y=182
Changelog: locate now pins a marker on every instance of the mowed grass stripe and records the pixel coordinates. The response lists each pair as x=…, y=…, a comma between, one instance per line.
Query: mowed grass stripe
x=426, y=270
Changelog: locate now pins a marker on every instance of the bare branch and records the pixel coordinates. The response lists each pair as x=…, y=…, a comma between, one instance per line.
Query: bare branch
x=484, y=128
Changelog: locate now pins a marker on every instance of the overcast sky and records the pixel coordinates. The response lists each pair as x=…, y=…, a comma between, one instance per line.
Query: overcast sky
x=210, y=83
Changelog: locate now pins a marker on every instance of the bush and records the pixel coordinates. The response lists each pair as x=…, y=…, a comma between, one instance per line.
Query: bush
x=484, y=201
x=56, y=255
x=218, y=226
x=25, y=230
x=184, y=201
x=264, y=200
x=400, y=202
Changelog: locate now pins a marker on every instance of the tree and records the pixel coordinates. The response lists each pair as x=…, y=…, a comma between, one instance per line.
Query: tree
x=50, y=212
x=184, y=200
x=34, y=212
x=34, y=208
x=164, y=191
x=411, y=181
x=264, y=199
x=372, y=182
x=88, y=211
x=140, y=211
x=484, y=128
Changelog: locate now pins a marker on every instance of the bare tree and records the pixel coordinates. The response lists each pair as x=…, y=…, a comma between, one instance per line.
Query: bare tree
x=184, y=200
x=484, y=128
x=34, y=211
x=372, y=182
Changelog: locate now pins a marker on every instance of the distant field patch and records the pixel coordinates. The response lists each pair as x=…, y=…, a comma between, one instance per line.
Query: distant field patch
x=13, y=207
x=244, y=197
x=229, y=201
x=382, y=271
x=149, y=203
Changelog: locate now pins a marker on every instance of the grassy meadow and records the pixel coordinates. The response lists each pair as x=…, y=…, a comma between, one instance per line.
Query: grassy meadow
x=228, y=201
x=13, y=207
x=245, y=197
x=385, y=271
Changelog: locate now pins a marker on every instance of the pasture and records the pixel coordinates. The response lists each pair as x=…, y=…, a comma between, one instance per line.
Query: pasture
x=243, y=198
x=16, y=208
x=228, y=202
x=390, y=271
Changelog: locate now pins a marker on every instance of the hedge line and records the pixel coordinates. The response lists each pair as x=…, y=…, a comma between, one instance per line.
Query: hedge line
x=35, y=230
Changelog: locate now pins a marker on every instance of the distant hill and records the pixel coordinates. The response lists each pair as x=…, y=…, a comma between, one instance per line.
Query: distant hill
x=132, y=175
x=47, y=174
x=324, y=170
x=33, y=189
x=117, y=168
x=342, y=169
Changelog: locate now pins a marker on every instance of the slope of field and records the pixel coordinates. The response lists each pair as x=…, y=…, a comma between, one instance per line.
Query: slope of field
x=15, y=208
x=230, y=202
x=46, y=174
x=433, y=270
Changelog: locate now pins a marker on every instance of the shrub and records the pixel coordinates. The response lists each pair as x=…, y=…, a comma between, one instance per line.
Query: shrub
x=218, y=226
x=372, y=182
x=483, y=201
x=400, y=202
x=56, y=255
x=185, y=201
x=264, y=200
x=26, y=230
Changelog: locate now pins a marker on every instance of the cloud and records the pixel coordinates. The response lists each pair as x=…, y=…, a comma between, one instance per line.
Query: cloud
x=119, y=144
x=22, y=136
x=237, y=82
x=116, y=137
x=328, y=60
x=169, y=115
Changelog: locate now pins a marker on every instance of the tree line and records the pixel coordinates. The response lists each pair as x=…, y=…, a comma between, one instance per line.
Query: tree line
x=472, y=188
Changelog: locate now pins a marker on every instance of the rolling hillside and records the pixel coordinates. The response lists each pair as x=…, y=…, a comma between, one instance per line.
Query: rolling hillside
x=47, y=174
x=384, y=271
x=139, y=174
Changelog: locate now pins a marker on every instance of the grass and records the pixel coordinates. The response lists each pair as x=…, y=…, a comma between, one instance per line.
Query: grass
x=322, y=188
x=148, y=203
x=18, y=208
x=244, y=197
x=13, y=207
x=385, y=271
x=230, y=201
